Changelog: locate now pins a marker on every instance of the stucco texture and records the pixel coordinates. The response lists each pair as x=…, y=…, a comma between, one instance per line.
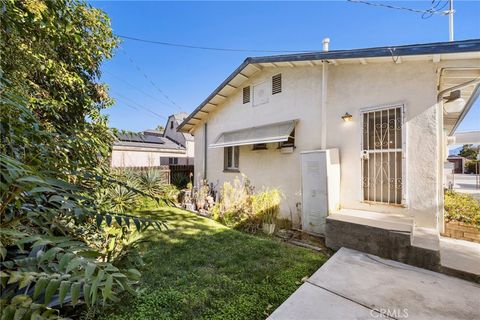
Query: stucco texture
x=351, y=88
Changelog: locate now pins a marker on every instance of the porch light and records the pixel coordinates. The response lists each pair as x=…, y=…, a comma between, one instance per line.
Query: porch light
x=454, y=102
x=347, y=117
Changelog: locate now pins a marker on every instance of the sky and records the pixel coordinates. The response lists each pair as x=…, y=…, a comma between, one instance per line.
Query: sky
x=150, y=81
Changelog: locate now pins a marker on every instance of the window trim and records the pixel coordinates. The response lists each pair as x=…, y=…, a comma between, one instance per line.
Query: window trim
x=235, y=159
x=290, y=142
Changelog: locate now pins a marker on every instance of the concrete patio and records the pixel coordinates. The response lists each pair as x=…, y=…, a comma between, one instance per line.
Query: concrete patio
x=355, y=285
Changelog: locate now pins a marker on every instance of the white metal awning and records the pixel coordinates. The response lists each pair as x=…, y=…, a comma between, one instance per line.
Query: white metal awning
x=275, y=132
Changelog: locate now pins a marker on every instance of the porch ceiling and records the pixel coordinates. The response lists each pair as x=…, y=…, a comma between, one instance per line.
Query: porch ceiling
x=452, y=77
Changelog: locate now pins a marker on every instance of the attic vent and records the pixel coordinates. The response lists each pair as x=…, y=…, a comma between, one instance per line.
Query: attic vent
x=246, y=95
x=277, y=83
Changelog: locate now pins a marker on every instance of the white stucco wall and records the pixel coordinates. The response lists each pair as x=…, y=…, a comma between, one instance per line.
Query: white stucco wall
x=351, y=88
x=143, y=157
x=173, y=133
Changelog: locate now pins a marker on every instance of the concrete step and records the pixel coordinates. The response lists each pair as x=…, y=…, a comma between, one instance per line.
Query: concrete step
x=393, y=222
x=460, y=258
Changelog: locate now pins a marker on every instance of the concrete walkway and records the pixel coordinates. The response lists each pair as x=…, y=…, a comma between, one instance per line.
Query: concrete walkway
x=355, y=285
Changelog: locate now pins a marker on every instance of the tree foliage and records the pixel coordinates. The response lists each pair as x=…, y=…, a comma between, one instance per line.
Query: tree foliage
x=469, y=151
x=57, y=245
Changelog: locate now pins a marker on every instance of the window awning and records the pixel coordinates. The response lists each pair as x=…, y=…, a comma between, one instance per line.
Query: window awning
x=275, y=132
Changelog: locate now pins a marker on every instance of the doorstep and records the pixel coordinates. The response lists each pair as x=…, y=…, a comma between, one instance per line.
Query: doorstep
x=390, y=236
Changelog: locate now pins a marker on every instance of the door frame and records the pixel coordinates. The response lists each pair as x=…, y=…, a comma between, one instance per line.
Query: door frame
x=403, y=105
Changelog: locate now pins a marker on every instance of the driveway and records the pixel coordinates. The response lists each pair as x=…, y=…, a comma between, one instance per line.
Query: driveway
x=467, y=183
x=356, y=285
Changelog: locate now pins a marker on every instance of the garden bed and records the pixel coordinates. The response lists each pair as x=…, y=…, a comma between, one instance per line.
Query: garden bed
x=462, y=231
x=462, y=217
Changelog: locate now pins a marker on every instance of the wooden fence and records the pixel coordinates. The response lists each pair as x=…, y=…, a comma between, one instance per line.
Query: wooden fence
x=180, y=175
x=163, y=169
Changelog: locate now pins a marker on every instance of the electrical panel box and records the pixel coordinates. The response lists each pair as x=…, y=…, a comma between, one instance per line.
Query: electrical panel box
x=320, y=187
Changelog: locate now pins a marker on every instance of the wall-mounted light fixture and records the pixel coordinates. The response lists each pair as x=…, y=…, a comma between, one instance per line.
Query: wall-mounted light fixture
x=347, y=117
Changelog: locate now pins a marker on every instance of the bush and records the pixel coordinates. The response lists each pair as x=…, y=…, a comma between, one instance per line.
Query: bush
x=241, y=208
x=462, y=207
x=472, y=166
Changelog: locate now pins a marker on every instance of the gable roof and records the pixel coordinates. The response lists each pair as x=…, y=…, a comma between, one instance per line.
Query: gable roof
x=251, y=65
x=179, y=118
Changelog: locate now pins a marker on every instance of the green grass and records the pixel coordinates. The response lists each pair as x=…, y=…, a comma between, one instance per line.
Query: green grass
x=201, y=269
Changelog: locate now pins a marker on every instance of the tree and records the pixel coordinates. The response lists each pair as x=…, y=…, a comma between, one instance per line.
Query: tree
x=51, y=52
x=53, y=145
x=160, y=128
x=469, y=152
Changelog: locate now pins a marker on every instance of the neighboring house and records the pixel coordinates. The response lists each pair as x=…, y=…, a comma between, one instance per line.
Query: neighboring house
x=153, y=148
x=182, y=138
x=387, y=111
x=458, y=163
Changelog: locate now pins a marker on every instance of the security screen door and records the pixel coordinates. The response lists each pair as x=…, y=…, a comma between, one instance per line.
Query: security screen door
x=382, y=155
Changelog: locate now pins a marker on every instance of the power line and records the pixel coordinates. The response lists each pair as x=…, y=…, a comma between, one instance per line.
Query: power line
x=138, y=89
x=140, y=70
x=171, y=44
x=127, y=101
x=431, y=11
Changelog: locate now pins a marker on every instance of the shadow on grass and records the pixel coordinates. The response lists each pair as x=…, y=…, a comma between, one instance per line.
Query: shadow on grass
x=201, y=269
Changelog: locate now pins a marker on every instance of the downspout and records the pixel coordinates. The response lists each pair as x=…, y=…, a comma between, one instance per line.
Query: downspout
x=323, y=130
x=440, y=141
x=205, y=149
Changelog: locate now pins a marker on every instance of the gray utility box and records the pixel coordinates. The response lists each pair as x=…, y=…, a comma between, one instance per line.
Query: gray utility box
x=320, y=187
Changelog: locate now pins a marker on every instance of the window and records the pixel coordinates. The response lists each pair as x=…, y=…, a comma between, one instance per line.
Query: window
x=260, y=146
x=172, y=160
x=277, y=83
x=246, y=95
x=290, y=142
x=171, y=125
x=231, y=158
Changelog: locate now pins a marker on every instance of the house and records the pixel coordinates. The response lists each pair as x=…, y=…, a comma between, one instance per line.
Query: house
x=458, y=163
x=380, y=117
x=152, y=148
x=183, y=139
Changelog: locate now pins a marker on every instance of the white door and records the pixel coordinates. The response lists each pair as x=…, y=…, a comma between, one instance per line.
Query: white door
x=382, y=155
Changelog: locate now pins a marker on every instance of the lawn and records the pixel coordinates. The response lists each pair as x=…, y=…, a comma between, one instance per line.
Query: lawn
x=204, y=270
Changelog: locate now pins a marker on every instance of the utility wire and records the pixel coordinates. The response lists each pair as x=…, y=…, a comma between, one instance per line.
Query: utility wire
x=129, y=102
x=171, y=44
x=138, y=89
x=425, y=13
x=140, y=70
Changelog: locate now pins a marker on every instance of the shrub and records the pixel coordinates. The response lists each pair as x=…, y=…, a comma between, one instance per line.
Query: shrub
x=471, y=166
x=241, y=208
x=179, y=180
x=235, y=203
x=266, y=205
x=462, y=207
